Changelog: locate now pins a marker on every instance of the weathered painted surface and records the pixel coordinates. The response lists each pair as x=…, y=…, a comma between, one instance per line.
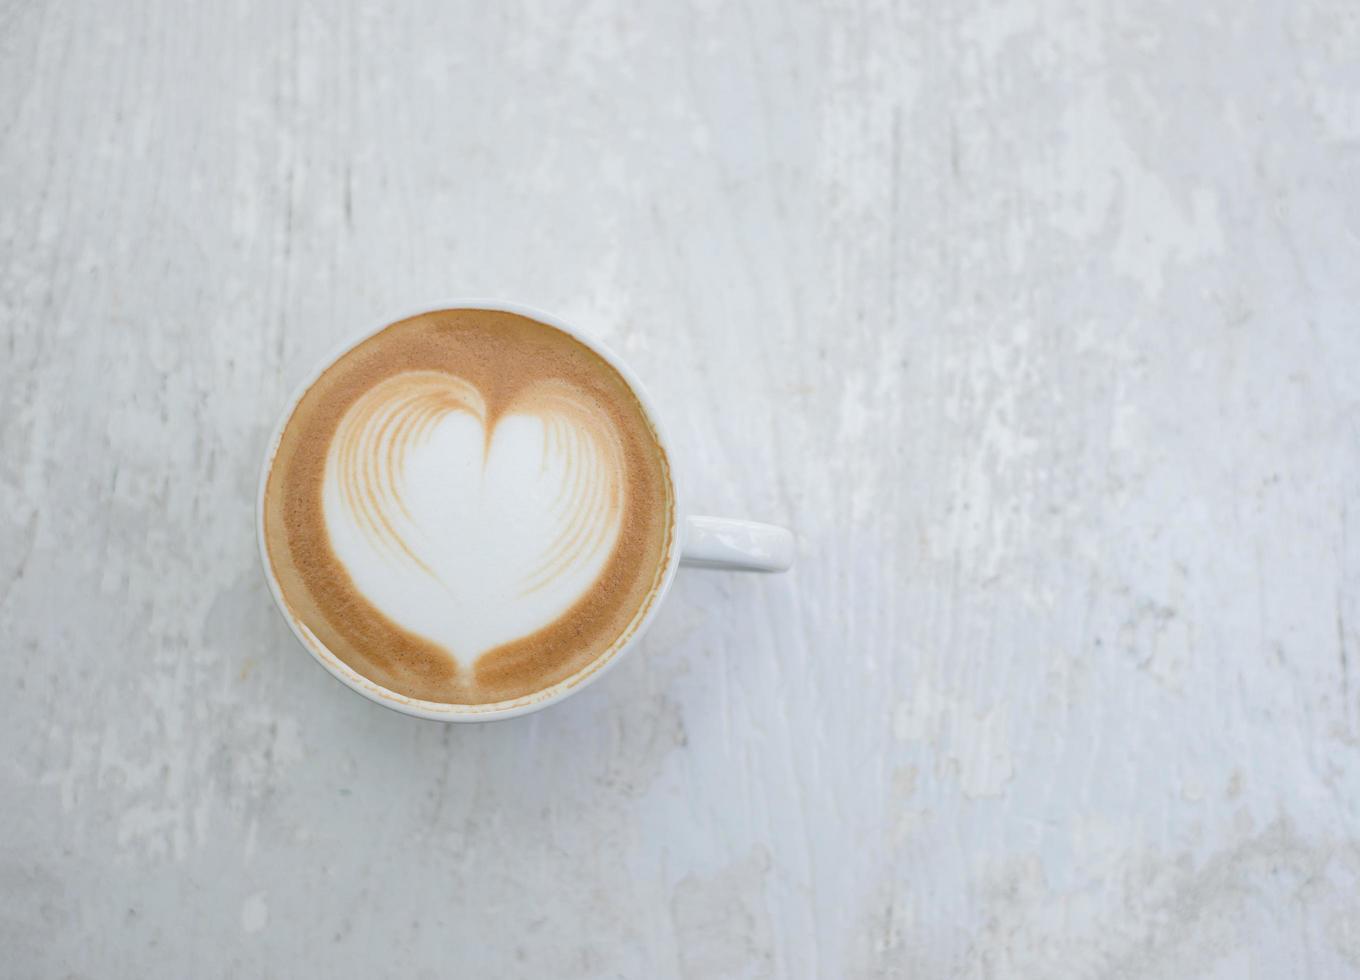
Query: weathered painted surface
x=1040, y=321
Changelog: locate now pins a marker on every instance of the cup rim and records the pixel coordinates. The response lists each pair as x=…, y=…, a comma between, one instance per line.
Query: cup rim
x=499, y=710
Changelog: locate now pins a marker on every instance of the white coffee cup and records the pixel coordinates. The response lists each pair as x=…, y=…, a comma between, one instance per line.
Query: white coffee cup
x=704, y=542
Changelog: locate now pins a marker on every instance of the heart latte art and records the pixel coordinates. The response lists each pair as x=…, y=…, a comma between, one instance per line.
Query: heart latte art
x=469, y=507
x=466, y=535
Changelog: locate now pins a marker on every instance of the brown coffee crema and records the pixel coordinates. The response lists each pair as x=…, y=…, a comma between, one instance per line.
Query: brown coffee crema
x=399, y=382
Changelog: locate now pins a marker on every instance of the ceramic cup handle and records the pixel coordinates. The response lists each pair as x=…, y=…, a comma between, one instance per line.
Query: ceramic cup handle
x=739, y=546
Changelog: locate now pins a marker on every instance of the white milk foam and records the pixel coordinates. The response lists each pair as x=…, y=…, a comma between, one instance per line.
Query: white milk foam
x=467, y=543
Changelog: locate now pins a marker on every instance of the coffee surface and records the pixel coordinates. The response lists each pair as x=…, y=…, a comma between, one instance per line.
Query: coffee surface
x=469, y=507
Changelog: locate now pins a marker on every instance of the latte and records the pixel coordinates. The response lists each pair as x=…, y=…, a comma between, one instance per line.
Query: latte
x=469, y=507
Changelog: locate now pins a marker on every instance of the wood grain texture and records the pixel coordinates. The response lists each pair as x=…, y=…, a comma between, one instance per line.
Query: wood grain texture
x=1036, y=319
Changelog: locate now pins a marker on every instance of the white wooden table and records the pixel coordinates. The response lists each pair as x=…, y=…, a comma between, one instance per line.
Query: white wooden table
x=1040, y=322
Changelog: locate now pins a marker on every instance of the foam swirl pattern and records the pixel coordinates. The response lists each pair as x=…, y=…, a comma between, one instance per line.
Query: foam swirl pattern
x=469, y=507
x=466, y=532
